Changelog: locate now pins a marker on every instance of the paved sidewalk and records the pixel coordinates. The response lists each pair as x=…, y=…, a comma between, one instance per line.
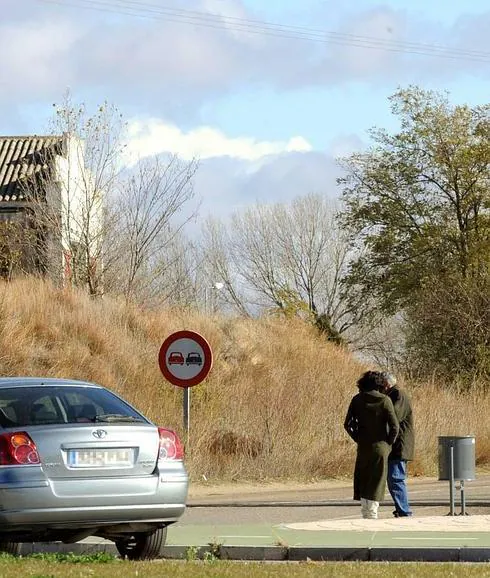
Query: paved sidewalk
x=432, y=538
x=410, y=524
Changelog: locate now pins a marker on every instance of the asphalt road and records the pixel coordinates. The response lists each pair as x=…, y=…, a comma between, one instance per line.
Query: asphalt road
x=281, y=504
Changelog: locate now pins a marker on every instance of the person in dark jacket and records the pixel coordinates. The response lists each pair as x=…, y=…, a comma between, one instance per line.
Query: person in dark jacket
x=403, y=448
x=372, y=423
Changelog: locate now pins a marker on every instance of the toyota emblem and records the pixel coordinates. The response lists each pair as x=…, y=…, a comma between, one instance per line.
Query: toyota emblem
x=99, y=434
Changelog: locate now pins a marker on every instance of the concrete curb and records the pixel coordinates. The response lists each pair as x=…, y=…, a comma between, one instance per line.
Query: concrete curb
x=331, y=553
x=283, y=553
x=326, y=503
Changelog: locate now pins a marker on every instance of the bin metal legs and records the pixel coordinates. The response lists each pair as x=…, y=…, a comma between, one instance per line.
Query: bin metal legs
x=463, y=501
x=451, y=481
x=451, y=487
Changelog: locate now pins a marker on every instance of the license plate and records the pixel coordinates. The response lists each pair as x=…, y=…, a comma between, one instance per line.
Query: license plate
x=100, y=458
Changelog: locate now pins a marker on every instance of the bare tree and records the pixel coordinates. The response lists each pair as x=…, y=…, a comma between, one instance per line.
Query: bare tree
x=314, y=253
x=306, y=253
x=218, y=265
x=69, y=197
x=149, y=247
x=256, y=253
x=282, y=256
x=172, y=274
x=107, y=227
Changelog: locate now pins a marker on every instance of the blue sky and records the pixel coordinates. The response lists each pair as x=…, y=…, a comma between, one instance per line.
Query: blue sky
x=266, y=114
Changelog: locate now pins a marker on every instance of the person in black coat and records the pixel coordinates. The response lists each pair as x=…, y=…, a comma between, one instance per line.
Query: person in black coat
x=372, y=423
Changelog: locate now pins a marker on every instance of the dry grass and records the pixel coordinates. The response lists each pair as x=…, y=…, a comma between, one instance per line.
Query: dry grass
x=215, y=569
x=272, y=407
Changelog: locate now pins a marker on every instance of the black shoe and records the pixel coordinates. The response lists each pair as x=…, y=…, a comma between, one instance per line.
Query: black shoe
x=396, y=514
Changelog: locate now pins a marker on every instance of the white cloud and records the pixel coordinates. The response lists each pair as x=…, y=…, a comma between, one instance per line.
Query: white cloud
x=344, y=145
x=153, y=137
x=32, y=55
x=172, y=65
x=225, y=185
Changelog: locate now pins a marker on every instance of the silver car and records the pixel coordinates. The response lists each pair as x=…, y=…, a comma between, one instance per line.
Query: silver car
x=76, y=461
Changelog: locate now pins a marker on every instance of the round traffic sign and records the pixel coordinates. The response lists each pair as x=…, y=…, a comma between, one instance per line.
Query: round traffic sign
x=185, y=358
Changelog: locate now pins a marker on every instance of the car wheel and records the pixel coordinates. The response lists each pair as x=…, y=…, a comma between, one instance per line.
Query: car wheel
x=142, y=546
x=11, y=548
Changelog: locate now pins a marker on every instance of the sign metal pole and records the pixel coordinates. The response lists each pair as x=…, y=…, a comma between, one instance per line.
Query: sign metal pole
x=186, y=410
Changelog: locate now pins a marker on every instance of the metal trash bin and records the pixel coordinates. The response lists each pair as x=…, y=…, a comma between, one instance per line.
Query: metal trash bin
x=463, y=450
x=457, y=462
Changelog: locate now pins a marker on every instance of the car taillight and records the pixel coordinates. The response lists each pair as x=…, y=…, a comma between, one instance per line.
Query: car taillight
x=170, y=445
x=17, y=449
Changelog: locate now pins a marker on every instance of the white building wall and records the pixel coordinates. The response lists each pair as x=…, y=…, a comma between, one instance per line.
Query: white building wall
x=80, y=204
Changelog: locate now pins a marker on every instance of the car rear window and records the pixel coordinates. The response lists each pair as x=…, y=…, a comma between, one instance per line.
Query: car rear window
x=24, y=406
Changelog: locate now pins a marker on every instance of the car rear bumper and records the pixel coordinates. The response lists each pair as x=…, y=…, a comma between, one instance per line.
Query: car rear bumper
x=59, y=518
x=156, y=498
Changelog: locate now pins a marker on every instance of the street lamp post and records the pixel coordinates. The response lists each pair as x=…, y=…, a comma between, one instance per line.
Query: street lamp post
x=208, y=292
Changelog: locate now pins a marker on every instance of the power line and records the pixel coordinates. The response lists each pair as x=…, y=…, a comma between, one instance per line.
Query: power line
x=264, y=28
x=204, y=18
x=287, y=27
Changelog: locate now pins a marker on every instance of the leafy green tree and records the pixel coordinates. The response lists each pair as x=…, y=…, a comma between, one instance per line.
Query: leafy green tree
x=417, y=204
x=450, y=329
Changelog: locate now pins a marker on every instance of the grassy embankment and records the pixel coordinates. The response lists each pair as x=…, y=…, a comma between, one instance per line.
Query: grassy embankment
x=272, y=407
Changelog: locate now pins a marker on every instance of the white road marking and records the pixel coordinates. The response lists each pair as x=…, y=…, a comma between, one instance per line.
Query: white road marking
x=435, y=538
x=242, y=536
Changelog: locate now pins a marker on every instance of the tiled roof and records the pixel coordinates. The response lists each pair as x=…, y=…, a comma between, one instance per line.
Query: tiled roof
x=21, y=157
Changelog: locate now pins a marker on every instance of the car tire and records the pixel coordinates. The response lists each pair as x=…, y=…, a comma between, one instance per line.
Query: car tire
x=13, y=548
x=142, y=546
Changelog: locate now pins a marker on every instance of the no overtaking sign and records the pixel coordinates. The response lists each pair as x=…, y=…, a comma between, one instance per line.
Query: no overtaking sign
x=185, y=358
